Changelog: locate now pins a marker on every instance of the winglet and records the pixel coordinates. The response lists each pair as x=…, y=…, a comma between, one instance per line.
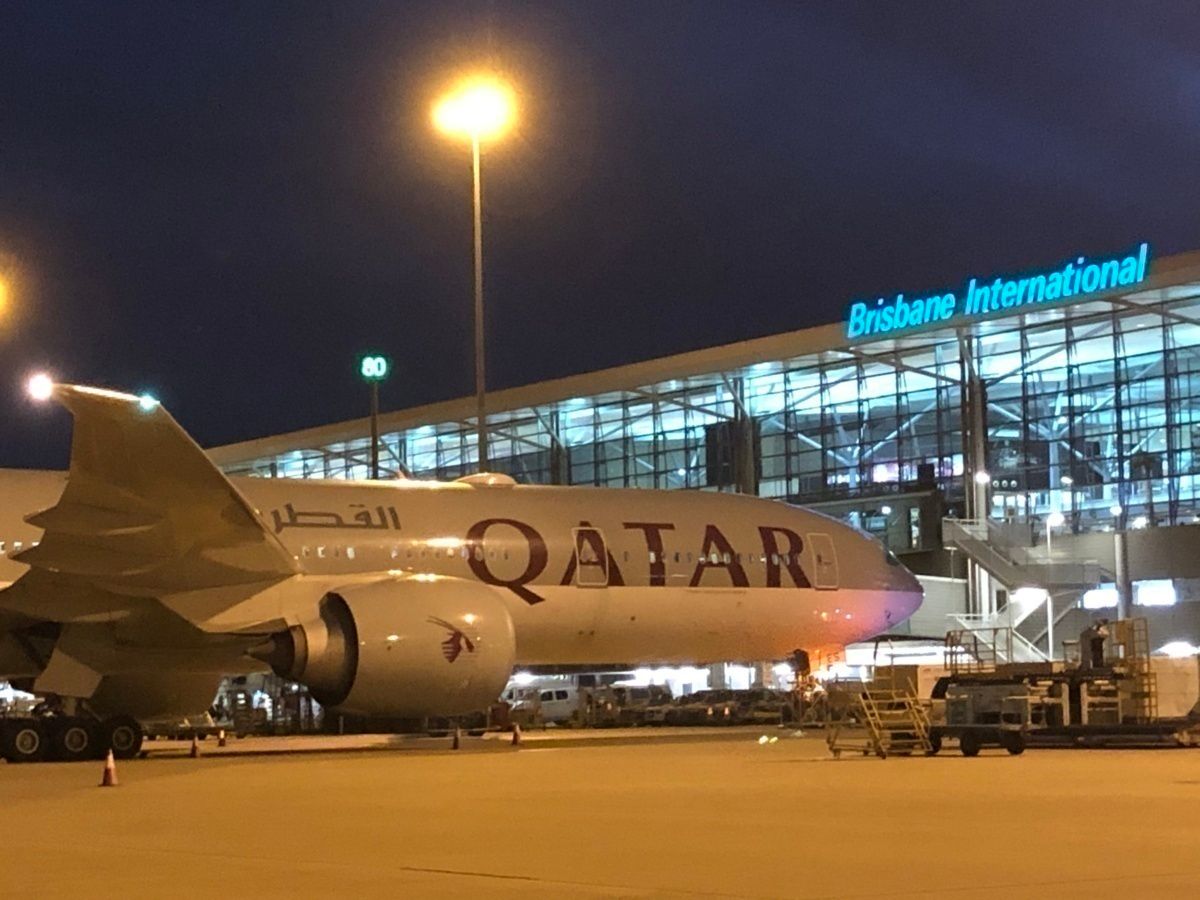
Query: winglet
x=145, y=511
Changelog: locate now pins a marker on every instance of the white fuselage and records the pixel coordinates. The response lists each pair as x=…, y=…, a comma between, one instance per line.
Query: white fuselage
x=595, y=575
x=590, y=575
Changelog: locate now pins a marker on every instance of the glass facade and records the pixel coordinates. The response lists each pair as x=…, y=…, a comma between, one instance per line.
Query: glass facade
x=1092, y=410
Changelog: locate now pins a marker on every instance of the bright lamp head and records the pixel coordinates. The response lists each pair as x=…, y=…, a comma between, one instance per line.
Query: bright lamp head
x=479, y=108
x=40, y=387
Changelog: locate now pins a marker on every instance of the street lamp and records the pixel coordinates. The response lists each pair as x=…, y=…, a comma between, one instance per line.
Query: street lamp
x=480, y=108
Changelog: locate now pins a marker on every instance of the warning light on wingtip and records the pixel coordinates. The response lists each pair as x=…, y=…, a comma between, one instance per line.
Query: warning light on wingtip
x=40, y=387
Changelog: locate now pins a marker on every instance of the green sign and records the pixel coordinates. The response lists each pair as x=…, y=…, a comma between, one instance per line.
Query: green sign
x=374, y=368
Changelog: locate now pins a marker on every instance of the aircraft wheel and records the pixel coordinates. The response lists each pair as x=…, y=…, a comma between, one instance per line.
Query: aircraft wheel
x=969, y=744
x=124, y=736
x=24, y=740
x=72, y=739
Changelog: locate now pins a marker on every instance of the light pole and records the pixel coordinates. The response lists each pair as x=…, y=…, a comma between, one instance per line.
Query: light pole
x=1055, y=520
x=374, y=368
x=479, y=108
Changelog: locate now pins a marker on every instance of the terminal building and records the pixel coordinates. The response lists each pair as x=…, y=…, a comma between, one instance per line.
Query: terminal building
x=1031, y=443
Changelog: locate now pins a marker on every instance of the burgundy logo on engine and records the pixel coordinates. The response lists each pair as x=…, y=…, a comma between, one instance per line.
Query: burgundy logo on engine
x=453, y=646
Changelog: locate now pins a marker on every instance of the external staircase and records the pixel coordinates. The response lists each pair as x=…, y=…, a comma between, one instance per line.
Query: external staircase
x=1007, y=552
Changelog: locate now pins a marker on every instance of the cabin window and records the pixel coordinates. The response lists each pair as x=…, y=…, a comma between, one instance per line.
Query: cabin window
x=304, y=551
x=395, y=553
x=17, y=546
x=349, y=553
x=321, y=552
x=725, y=557
x=774, y=559
x=466, y=551
x=1, y=546
x=478, y=553
x=653, y=557
x=676, y=556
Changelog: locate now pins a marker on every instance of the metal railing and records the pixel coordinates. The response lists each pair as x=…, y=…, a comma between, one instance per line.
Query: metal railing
x=1007, y=551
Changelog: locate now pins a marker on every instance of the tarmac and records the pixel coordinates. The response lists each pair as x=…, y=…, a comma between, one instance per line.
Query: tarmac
x=654, y=813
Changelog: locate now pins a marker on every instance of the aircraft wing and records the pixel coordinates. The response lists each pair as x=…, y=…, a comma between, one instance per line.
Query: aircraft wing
x=145, y=514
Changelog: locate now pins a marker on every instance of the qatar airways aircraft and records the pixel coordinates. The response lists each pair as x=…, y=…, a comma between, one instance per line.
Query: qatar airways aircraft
x=147, y=574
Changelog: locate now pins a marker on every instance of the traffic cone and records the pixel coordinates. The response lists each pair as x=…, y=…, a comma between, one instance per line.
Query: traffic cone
x=221, y=738
x=194, y=753
x=457, y=738
x=109, y=778
x=516, y=738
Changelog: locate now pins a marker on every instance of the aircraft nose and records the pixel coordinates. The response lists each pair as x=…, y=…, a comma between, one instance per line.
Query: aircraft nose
x=904, y=585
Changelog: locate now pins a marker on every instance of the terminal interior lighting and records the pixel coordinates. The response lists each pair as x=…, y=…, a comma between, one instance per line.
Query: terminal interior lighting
x=1056, y=519
x=40, y=387
x=982, y=477
x=1115, y=509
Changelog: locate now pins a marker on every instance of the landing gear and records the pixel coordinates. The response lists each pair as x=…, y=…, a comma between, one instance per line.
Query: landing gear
x=68, y=738
x=124, y=735
x=72, y=739
x=23, y=740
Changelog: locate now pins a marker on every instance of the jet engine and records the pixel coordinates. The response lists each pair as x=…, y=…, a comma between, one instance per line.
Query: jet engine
x=405, y=647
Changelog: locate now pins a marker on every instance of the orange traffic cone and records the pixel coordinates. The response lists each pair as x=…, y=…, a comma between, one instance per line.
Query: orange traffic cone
x=516, y=738
x=195, y=751
x=221, y=738
x=457, y=738
x=109, y=778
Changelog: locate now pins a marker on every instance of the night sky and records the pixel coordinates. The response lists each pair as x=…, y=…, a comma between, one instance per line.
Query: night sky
x=223, y=203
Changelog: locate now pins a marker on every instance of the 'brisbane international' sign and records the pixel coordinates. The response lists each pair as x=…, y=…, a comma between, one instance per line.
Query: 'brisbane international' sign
x=982, y=297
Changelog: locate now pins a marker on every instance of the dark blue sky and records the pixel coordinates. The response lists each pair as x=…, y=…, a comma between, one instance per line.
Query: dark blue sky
x=224, y=202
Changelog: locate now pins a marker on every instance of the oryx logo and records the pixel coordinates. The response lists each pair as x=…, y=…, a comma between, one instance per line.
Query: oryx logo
x=453, y=646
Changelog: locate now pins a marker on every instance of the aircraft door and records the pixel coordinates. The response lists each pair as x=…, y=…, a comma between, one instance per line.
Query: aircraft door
x=825, y=566
x=591, y=557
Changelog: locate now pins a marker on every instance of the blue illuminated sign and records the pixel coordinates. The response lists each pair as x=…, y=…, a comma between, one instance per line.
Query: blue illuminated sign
x=982, y=297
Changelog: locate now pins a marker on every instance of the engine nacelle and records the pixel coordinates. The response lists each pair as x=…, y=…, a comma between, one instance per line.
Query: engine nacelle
x=405, y=647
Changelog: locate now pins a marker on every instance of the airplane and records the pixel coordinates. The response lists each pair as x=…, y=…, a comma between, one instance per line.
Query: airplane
x=148, y=574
